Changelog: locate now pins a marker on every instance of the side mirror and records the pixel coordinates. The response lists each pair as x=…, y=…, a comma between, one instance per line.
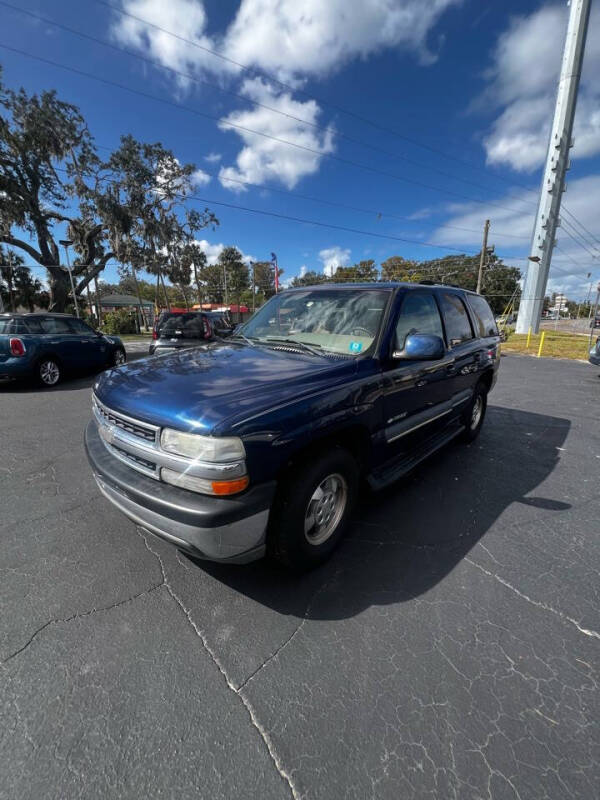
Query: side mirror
x=421, y=347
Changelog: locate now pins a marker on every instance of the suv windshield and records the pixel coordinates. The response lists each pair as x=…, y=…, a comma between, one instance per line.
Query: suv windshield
x=344, y=321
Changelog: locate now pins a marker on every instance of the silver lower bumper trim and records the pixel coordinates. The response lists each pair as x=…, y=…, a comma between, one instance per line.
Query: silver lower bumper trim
x=239, y=542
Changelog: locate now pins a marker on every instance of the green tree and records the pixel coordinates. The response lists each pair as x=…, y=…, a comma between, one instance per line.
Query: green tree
x=264, y=278
x=236, y=276
x=310, y=278
x=397, y=268
x=364, y=271
x=45, y=151
x=143, y=207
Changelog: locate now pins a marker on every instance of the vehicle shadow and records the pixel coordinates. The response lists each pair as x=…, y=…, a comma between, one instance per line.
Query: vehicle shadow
x=406, y=539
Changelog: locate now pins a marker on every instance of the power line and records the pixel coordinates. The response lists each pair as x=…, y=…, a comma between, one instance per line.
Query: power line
x=244, y=98
x=582, y=226
x=334, y=204
x=235, y=126
x=271, y=77
x=576, y=237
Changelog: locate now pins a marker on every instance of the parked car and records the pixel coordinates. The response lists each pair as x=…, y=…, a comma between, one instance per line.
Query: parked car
x=47, y=346
x=258, y=444
x=594, y=357
x=182, y=330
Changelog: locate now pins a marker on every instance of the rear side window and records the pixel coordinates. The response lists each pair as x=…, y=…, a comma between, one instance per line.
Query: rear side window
x=484, y=319
x=13, y=326
x=456, y=319
x=54, y=325
x=419, y=314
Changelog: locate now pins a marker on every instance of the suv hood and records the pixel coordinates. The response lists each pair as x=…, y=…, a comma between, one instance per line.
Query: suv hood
x=208, y=389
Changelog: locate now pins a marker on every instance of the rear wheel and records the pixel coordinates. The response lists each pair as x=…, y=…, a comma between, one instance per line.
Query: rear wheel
x=475, y=413
x=49, y=372
x=312, y=510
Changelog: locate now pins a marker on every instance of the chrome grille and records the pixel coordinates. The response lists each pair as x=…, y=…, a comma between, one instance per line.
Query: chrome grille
x=125, y=423
x=135, y=459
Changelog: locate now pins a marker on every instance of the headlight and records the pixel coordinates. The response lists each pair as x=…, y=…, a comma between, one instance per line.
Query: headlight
x=202, y=448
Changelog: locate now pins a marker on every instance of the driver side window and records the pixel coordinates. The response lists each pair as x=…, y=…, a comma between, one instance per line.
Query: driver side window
x=419, y=314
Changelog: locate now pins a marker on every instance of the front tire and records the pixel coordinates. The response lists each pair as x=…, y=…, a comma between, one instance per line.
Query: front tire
x=312, y=510
x=475, y=413
x=48, y=372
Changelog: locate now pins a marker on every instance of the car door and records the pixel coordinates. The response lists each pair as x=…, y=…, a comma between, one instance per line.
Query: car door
x=463, y=346
x=416, y=394
x=58, y=340
x=89, y=349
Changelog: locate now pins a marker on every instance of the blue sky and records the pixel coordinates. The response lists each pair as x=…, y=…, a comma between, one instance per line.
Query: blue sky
x=465, y=79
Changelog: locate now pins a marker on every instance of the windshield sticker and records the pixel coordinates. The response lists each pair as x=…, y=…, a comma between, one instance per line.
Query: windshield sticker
x=355, y=347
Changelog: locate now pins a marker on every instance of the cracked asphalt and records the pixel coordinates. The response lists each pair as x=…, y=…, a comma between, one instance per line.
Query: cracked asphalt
x=449, y=649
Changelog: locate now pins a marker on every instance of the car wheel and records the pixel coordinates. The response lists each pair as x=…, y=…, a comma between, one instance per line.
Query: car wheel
x=312, y=510
x=119, y=357
x=475, y=413
x=49, y=373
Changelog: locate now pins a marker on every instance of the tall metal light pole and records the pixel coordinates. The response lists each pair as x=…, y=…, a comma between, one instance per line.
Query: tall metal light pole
x=66, y=243
x=557, y=163
x=594, y=317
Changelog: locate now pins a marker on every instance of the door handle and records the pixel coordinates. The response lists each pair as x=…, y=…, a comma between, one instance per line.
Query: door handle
x=421, y=382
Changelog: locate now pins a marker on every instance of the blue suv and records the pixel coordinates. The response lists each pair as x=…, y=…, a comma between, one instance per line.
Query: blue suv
x=257, y=444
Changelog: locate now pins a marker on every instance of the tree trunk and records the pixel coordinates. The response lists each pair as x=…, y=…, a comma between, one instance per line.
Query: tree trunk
x=139, y=296
x=59, y=289
x=164, y=289
x=198, y=287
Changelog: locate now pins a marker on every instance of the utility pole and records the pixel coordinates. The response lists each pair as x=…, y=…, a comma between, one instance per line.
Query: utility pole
x=557, y=163
x=486, y=229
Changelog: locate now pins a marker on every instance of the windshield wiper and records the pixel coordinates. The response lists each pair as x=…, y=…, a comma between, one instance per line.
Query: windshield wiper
x=315, y=349
x=241, y=336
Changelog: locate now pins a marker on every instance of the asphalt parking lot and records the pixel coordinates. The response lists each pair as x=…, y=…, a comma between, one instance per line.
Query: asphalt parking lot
x=450, y=649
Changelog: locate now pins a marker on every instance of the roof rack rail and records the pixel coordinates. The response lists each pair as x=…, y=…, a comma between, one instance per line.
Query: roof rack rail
x=427, y=283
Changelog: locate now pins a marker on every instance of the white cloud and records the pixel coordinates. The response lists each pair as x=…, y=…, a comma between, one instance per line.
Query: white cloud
x=201, y=178
x=213, y=251
x=186, y=18
x=295, y=39
x=312, y=37
x=334, y=257
x=522, y=83
x=263, y=159
x=303, y=270
x=213, y=158
x=570, y=262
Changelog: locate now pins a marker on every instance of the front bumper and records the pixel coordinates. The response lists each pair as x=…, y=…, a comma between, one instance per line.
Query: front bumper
x=231, y=529
x=594, y=357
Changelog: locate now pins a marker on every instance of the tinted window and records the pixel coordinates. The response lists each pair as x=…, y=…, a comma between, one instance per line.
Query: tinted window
x=54, y=325
x=458, y=326
x=184, y=326
x=419, y=314
x=13, y=325
x=484, y=319
x=78, y=326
